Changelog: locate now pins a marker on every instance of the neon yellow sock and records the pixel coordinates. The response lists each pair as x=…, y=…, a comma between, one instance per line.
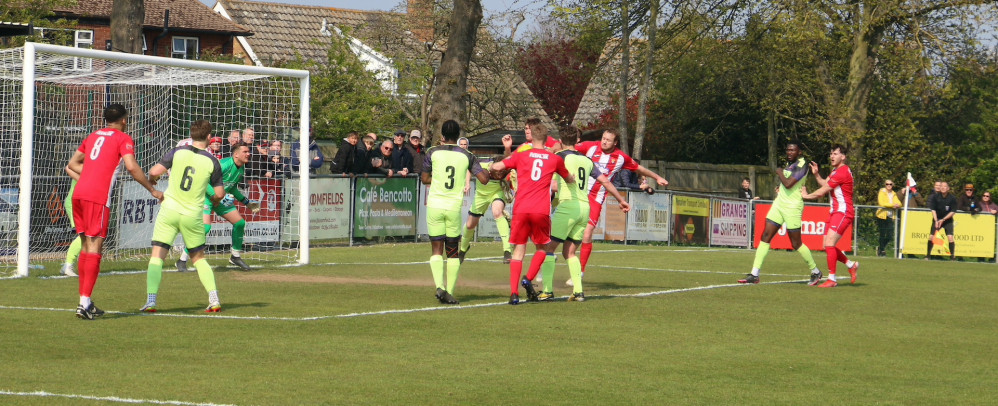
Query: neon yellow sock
x=760, y=254
x=74, y=250
x=453, y=267
x=503, y=227
x=547, y=272
x=206, y=275
x=575, y=269
x=437, y=268
x=469, y=234
x=805, y=252
x=154, y=275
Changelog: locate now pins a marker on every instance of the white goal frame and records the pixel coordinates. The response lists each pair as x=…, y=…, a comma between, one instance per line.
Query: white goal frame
x=28, y=117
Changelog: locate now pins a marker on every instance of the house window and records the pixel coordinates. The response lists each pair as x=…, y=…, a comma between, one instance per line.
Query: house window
x=83, y=39
x=185, y=47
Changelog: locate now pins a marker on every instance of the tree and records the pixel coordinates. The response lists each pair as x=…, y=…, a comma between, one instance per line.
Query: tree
x=36, y=13
x=127, y=18
x=557, y=71
x=451, y=82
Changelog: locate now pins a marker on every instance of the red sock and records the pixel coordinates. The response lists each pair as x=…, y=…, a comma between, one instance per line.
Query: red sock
x=830, y=257
x=535, y=264
x=515, y=270
x=587, y=249
x=89, y=278
x=841, y=256
x=82, y=266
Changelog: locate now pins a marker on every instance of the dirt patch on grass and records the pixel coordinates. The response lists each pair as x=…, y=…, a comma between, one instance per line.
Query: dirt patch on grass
x=342, y=280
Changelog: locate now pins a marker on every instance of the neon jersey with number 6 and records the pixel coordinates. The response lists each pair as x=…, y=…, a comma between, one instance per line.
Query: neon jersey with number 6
x=102, y=151
x=192, y=172
x=535, y=168
x=448, y=166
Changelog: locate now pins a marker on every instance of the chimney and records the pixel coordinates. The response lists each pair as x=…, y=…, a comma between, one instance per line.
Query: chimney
x=420, y=14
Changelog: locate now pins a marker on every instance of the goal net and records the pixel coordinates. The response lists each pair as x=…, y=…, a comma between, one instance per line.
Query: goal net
x=52, y=97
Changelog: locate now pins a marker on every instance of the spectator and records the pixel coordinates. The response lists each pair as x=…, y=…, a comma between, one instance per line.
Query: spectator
x=276, y=164
x=344, y=160
x=943, y=206
x=889, y=203
x=745, y=191
x=463, y=143
x=316, y=158
x=215, y=147
x=915, y=199
x=988, y=206
x=257, y=160
x=967, y=201
x=381, y=159
x=234, y=137
x=415, y=147
x=401, y=158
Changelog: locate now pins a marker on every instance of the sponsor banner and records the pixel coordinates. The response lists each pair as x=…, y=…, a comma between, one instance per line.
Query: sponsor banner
x=136, y=214
x=385, y=207
x=329, y=209
x=729, y=223
x=469, y=198
x=648, y=219
x=691, y=219
x=614, y=220
x=813, y=226
x=261, y=227
x=974, y=235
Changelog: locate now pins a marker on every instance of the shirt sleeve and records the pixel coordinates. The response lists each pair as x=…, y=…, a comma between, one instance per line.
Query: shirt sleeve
x=427, y=163
x=629, y=163
x=561, y=169
x=127, y=146
x=167, y=160
x=216, y=174
x=800, y=171
x=473, y=165
x=835, y=180
x=510, y=162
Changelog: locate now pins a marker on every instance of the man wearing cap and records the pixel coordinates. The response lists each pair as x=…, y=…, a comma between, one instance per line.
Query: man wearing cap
x=968, y=200
x=415, y=147
x=401, y=158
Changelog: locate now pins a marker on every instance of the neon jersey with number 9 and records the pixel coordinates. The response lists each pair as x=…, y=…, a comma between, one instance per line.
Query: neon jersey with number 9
x=102, y=151
x=448, y=166
x=192, y=172
x=534, y=169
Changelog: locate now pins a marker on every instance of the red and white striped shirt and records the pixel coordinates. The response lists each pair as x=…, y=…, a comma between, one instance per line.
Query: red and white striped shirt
x=609, y=164
x=841, y=182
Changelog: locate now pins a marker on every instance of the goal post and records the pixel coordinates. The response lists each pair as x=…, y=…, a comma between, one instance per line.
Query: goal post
x=55, y=96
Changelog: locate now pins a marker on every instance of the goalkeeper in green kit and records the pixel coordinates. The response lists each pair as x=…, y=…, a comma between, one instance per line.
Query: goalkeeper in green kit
x=233, y=169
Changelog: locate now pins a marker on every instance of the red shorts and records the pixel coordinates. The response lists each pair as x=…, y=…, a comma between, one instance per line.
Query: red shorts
x=594, y=211
x=91, y=218
x=839, y=223
x=534, y=225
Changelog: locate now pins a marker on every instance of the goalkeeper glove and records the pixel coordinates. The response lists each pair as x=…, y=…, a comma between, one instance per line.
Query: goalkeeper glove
x=253, y=206
x=228, y=200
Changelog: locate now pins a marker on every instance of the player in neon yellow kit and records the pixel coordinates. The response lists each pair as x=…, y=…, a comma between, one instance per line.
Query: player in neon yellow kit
x=787, y=209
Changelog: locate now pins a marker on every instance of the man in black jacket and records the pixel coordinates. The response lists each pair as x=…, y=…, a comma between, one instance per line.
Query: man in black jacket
x=402, y=162
x=381, y=159
x=943, y=206
x=343, y=162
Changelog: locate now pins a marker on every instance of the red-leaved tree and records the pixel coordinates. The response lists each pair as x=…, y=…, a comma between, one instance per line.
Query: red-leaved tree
x=557, y=71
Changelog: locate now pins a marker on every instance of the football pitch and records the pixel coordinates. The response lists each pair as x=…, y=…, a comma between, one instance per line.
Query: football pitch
x=661, y=325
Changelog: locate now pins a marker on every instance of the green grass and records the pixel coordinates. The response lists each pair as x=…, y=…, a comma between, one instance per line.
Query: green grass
x=910, y=332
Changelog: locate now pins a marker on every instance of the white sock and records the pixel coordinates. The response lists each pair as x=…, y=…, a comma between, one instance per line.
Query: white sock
x=850, y=263
x=831, y=277
x=151, y=298
x=213, y=297
x=755, y=271
x=85, y=301
x=235, y=253
x=815, y=271
x=183, y=256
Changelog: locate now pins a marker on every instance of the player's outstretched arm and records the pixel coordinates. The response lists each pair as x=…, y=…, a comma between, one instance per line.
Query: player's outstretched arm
x=75, y=163
x=817, y=193
x=136, y=171
x=624, y=206
x=507, y=145
x=426, y=178
x=658, y=179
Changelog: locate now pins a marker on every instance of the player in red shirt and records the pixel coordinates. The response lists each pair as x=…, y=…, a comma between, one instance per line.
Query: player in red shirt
x=532, y=210
x=838, y=186
x=609, y=161
x=96, y=162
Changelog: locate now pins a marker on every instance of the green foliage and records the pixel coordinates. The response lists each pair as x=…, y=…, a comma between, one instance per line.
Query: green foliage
x=344, y=96
x=38, y=13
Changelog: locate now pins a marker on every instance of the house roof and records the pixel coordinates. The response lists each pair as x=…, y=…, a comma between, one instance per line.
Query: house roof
x=8, y=29
x=186, y=15
x=606, y=83
x=281, y=30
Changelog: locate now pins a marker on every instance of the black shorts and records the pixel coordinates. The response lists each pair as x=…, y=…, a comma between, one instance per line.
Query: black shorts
x=947, y=226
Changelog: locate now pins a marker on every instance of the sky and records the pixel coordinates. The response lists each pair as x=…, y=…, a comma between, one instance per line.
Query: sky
x=533, y=8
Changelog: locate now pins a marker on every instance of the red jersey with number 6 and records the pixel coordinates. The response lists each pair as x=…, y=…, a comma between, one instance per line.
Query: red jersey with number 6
x=102, y=151
x=535, y=168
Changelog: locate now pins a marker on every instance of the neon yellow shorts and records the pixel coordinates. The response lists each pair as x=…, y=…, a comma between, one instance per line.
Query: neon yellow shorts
x=443, y=223
x=169, y=223
x=789, y=216
x=569, y=221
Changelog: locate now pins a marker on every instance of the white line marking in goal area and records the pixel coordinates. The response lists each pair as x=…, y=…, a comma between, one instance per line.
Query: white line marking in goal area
x=109, y=398
x=396, y=311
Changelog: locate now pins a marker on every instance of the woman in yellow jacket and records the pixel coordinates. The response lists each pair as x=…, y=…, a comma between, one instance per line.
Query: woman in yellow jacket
x=889, y=202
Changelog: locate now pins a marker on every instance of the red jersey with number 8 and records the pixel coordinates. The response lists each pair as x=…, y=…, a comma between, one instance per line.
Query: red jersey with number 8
x=102, y=151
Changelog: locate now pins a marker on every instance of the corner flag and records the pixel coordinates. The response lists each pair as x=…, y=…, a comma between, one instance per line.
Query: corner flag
x=911, y=182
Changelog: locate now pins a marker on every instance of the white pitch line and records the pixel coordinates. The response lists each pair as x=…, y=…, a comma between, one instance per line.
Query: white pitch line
x=109, y=398
x=394, y=311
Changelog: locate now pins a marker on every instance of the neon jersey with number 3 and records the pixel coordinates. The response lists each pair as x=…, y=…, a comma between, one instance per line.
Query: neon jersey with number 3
x=192, y=172
x=102, y=151
x=448, y=166
x=535, y=168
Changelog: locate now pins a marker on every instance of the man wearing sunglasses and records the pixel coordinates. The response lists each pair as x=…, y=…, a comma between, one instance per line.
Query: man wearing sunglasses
x=967, y=201
x=988, y=205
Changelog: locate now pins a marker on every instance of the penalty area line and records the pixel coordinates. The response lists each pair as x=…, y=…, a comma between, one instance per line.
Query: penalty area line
x=108, y=398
